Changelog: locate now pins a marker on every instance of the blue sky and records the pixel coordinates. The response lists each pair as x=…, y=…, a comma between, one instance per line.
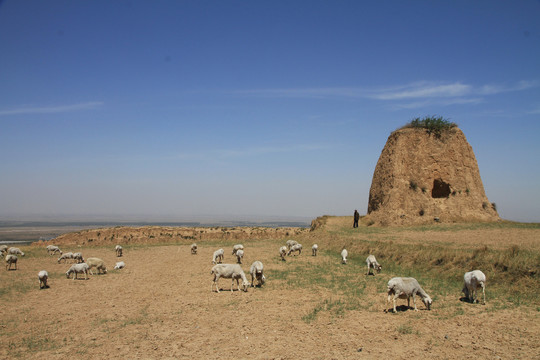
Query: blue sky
x=250, y=108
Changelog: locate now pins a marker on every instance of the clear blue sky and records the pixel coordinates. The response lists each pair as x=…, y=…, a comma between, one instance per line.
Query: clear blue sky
x=255, y=108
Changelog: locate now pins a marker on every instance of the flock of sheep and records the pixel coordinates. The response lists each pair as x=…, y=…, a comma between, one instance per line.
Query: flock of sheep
x=398, y=287
x=81, y=266
x=234, y=271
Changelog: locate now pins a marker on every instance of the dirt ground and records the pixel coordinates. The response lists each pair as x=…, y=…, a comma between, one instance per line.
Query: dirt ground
x=161, y=307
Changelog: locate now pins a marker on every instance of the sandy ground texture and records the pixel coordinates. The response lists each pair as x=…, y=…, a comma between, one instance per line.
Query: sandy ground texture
x=161, y=307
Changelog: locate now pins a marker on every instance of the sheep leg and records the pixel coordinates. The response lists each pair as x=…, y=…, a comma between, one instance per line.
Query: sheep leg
x=216, y=278
x=414, y=302
x=395, y=297
x=484, y=293
x=86, y=275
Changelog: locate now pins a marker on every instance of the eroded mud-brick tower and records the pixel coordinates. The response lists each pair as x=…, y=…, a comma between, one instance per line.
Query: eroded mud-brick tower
x=425, y=177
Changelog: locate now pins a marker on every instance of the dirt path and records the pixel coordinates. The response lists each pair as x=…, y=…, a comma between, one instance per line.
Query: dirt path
x=161, y=306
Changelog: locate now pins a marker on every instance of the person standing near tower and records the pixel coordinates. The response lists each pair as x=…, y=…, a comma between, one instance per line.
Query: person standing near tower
x=356, y=218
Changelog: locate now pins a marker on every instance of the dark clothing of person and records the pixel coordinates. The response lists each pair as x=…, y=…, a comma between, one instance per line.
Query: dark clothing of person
x=356, y=218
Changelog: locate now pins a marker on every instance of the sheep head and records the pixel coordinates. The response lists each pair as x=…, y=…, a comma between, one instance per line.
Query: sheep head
x=427, y=301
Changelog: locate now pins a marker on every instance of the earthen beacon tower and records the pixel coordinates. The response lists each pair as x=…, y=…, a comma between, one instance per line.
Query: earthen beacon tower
x=424, y=177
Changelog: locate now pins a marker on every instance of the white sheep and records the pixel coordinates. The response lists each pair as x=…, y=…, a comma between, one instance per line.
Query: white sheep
x=43, y=276
x=372, y=263
x=65, y=257
x=75, y=269
x=236, y=248
x=256, y=272
x=11, y=259
x=283, y=252
x=344, y=254
x=118, y=249
x=296, y=247
x=229, y=271
x=78, y=257
x=193, y=249
x=218, y=256
x=119, y=265
x=314, y=249
x=290, y=244
x=98, y=264
x=15, y=251
x=239, y=256
x=3, y=249
x=51, y=250
x=404, y=288
x=472, y=281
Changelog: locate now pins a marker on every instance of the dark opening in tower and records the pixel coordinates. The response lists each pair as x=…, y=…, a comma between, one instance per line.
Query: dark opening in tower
x=440, y=189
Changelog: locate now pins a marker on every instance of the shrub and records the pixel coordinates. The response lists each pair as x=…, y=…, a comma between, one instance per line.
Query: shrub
x=435, y=125
x=413, y=185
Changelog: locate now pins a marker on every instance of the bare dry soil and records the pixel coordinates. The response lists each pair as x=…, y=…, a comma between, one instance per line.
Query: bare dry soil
x=161, y=307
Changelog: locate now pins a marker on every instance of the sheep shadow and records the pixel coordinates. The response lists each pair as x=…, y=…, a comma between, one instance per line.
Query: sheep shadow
x=401, y=308
x=467, y=300
x=226, y=290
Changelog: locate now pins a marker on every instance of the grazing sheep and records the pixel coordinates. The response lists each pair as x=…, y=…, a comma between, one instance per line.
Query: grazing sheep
x=218, y=256
x=256, y=272
x=3, y=249
x=43, y=276
x=404, y=288
x=296, y=247
x=229, y=271
x=473, y=280
x=78, y=257
x=290, y=244
x=344, y=255
x=239, y=256
x=193, y=249
x=372, y=263
x=51, y=250
x=78, y=269
x=15, y=251
x=283, y=252
x=314, y=249
x=98, y=264
x=65, y=257
x=236, y=248
x=118, y=249
x=11, y=259
x=119, y=265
